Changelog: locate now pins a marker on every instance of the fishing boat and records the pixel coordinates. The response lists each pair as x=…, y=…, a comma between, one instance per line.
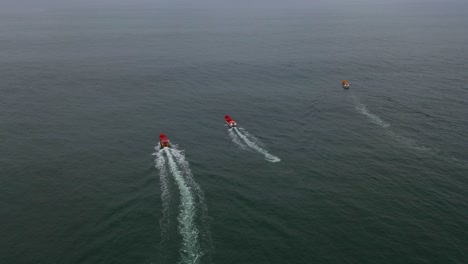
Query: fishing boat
x=230, y=123
x=345, y=84
x=163, y=141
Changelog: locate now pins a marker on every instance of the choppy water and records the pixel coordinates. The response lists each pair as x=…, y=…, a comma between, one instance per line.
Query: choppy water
x=373, y=174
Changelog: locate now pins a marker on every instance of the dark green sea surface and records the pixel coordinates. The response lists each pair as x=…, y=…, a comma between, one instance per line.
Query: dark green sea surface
x=374, y=174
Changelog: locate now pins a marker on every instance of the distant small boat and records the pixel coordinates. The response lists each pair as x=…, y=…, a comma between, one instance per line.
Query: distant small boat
x=345, y=84
x=230, y=123
x=164, y=141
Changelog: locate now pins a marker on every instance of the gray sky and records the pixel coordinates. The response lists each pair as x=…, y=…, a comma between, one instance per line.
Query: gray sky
x=59, y=4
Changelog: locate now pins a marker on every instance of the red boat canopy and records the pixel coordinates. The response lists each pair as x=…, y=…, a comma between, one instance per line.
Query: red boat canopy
x=228, y=118
x=163, y=141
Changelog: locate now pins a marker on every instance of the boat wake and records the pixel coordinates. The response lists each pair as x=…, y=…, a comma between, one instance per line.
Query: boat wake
x=407, y=141
x=204, y=228
x=375, y=119
x=244, y=139
x=164, y=222
x=236, y=139
x=192, y=206
x=362, y=109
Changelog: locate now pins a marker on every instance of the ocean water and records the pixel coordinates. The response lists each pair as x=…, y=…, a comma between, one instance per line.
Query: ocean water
x=314, y=173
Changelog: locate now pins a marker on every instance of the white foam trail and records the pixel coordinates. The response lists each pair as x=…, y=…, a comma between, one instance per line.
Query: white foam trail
x=164, y=222
x=374, y=118
x=236, y=139
x=408, y=141
x=190, y=249
x=250, y=136
x=165, y=191
x=253, y=145
x=207, y=244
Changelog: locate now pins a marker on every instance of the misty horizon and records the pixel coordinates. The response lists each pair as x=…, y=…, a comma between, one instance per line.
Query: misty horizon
x=31, y=5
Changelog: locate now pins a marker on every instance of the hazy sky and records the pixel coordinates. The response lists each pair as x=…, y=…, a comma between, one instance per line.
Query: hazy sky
x=58, y=4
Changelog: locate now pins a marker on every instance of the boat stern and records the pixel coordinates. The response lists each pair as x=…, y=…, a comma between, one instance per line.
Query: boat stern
x=232, y=124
